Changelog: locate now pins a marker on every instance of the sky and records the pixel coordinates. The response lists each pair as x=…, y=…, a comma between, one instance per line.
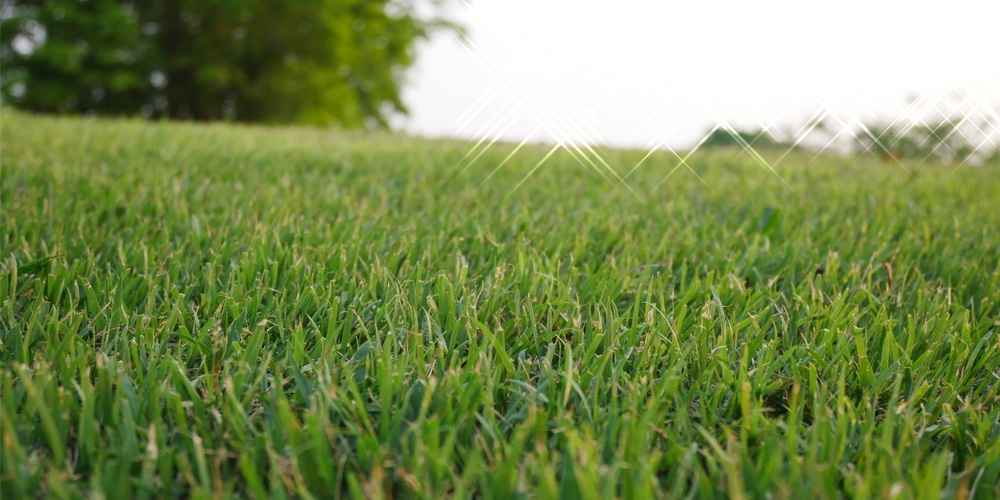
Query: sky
x=644, y=73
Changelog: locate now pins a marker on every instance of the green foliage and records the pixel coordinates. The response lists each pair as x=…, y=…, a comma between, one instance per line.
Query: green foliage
x=312, y=61
x=723, y=137
x=195, y=311
x=941, y=141
x=65, y=56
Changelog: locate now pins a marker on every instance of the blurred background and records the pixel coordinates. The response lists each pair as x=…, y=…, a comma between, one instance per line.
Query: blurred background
x=894, y=78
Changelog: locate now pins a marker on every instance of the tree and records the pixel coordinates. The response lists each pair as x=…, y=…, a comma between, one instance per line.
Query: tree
x=721, y=137
x=942, y=140
x=309, y=61
x=66, y=56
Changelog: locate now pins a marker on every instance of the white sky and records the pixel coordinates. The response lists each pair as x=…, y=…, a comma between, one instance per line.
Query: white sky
x=638, y=72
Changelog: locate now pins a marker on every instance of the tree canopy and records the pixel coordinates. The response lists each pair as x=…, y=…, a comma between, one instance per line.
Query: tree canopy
x=308, y=61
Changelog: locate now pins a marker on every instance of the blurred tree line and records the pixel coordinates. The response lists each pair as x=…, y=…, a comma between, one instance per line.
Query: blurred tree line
x=956, y=138
x=947, y=140
x=727, y=137
x=307, y=61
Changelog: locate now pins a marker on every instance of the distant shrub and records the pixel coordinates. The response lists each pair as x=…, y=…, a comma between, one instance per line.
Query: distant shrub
x=944, y=141
x=721, y=137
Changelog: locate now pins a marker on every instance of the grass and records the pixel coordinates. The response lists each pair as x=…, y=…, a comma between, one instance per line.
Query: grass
x=201, y=311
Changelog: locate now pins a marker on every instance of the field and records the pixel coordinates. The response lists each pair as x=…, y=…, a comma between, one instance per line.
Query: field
x=213, y=310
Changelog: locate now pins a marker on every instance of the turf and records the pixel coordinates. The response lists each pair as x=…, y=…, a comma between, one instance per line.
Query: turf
x=214, y=310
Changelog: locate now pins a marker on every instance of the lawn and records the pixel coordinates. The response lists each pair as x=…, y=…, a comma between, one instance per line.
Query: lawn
x=214, y=310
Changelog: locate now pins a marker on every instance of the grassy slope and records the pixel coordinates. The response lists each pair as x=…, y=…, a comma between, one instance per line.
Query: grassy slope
x=280, y=311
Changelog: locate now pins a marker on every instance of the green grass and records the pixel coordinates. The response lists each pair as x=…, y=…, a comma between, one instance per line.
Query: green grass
x=200, y=311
